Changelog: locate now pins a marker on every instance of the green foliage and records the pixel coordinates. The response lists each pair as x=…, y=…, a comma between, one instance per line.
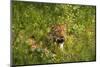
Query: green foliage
x=36, y=18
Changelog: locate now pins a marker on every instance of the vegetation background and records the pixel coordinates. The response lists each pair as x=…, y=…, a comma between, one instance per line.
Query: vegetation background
x=30, y=18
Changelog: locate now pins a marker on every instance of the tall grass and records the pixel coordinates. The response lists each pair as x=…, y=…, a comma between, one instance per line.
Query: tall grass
x=30, y=18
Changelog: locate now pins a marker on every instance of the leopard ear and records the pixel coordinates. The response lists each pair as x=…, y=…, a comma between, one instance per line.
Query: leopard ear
x=52, y=26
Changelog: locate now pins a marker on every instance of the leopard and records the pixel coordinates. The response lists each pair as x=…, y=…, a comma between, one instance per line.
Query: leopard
x=58, y=34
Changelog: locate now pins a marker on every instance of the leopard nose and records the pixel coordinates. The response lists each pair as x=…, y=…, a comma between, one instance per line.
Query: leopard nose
x=60, y=40
x=61, y=37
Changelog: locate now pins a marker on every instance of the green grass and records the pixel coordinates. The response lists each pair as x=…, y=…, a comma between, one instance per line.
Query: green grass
x=36, y=18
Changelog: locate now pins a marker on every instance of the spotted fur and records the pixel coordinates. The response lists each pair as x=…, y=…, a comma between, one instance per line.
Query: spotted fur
x=58, y=34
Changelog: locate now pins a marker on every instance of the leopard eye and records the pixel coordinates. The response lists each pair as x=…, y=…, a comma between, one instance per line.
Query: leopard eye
x=56, y=30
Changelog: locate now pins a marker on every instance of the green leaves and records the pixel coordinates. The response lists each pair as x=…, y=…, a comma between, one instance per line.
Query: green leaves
x=37, y=18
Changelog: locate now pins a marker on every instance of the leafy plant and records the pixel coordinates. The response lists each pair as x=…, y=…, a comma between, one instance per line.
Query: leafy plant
x=36, y=18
